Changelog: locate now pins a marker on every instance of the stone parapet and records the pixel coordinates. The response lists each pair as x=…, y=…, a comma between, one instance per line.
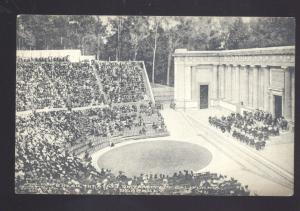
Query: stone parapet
x=272, y=56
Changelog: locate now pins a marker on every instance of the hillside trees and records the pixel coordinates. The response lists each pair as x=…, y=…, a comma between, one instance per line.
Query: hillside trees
x=150, y=39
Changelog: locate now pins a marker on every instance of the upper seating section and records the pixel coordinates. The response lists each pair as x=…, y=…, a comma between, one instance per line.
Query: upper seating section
x=34, y=89
x=76, y=83
x=122, y=81
x=60, y=83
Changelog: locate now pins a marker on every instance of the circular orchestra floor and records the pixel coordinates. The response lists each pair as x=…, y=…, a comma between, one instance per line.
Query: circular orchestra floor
x=156, y=157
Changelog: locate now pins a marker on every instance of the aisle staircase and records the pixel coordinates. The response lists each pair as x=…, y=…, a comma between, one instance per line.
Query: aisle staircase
x=97, y=78
x=52, y=84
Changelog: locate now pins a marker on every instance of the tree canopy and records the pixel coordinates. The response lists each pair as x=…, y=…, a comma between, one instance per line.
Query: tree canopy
x=151, y=39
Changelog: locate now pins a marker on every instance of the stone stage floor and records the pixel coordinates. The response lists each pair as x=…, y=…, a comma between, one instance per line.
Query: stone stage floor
x=279, y=149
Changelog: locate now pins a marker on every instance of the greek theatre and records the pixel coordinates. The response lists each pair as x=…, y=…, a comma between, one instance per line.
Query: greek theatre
x=246, y=79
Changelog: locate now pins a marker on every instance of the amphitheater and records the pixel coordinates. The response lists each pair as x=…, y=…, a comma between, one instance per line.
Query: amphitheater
x=93, y=127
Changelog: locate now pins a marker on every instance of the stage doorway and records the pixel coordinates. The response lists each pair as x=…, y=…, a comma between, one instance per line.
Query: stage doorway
x=278, y=105
x=203, y=96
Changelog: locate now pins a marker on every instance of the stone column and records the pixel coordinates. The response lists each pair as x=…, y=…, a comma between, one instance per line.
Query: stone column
x=178, y=79
x=287, y=93
x=229, y=70
x=211, y=88
x=215, y=81
x=255, y=87
x=250, y=87
x=293, y=94
x=221, y=80
x=225, y=81
x=266, y=71
x=228, y=82
x=242, y=84
x=260, y=88
x=218, y=81
x=233, y=84
x=236, y=84
x=188, y=83
x=246, y=70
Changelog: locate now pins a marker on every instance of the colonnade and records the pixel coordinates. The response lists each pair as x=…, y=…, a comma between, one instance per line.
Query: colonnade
x=258, y=78
x=250, y=86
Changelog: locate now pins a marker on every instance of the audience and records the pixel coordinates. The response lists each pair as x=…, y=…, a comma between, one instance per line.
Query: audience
x=53, y=82
x=94, y=103
x=121, y=81
x=43, y=167
x=34, y=89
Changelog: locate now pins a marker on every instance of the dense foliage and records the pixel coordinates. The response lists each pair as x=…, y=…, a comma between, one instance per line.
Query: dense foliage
x=151, y=39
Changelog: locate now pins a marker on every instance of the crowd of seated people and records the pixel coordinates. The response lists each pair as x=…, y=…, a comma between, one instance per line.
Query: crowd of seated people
x=45, y=168
x=54, y=82
x=45, y=165
x=121, y=81
x=76, y=126
x=58, y=83
x=34, y=89
x=43, y=59
x=75, y=82
x=44, y=138
x=39, y=161
x=252, y=128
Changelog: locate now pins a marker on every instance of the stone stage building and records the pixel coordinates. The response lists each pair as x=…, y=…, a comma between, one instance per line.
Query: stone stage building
x=246, y=79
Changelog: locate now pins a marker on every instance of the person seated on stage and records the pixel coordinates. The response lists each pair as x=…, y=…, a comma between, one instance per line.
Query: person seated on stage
x=172, y=104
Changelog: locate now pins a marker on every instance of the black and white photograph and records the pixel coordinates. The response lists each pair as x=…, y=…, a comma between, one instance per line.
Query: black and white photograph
x=154, y=105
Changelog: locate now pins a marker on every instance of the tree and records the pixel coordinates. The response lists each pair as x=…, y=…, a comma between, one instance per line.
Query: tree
x=25, y=38
x=91, y=28
x=154, y=49
x=138, y=31
x=238, y=35
x=99, y=30
x=266, y=32
x=193, y=33
x=174, y=36
x=31, y=33
x=116, y=38
x=58, y=32
x=118, y=24
x=152, y=41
